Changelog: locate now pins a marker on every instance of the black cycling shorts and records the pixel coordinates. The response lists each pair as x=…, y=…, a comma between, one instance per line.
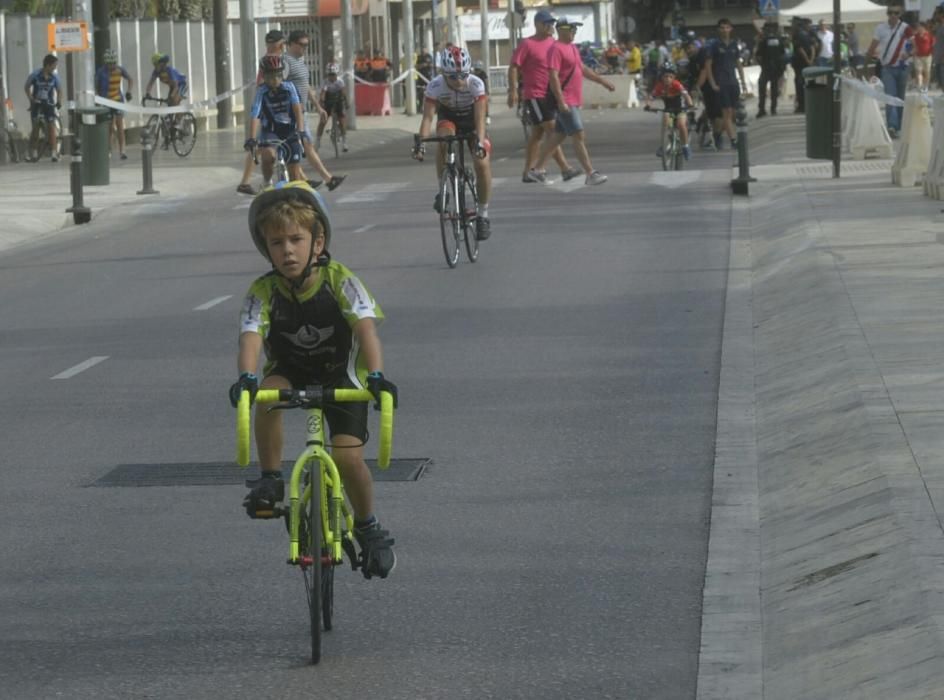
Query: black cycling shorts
x=47, y=110
x=712, y=102
x=541, y=109
x=345, y=418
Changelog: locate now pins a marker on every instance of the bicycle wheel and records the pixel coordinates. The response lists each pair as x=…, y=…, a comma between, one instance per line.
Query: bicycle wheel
x=310, y=544
x=449, y=217
x=185, y=135
x=327, y=595
x=334, y=136
x=677, y=150
x=667, y=159
x=469, y=200
x=153, y=127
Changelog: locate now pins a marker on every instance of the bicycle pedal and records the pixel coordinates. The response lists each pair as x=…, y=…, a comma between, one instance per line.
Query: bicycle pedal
x=271, y=514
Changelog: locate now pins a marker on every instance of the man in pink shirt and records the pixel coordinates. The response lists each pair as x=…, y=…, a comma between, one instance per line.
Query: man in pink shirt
x=530, y=61
x=565, y=77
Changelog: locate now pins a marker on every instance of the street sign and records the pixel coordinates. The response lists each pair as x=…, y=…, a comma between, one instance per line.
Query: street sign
x=769, y=8
x=67, y=36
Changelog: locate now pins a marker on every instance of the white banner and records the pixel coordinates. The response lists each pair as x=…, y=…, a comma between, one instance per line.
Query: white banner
x=179, y=109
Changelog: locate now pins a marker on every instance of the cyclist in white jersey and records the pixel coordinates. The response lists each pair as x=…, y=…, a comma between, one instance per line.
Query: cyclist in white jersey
x=459, y=102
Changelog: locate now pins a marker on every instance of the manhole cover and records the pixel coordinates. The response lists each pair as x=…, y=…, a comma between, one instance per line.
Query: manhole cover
x=228, y=474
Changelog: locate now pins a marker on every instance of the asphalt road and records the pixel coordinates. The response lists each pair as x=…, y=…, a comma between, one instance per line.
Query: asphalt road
x=565, y=387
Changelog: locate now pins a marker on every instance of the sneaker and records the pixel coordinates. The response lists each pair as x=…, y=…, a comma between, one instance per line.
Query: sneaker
x=265, y=492
x=893, y=132
x=717, y=140
x=483, y=228
x=534, y=176
x=124, y=156
x=437, y=204
x=571, y=173
x=377, y=555
x=734, y=144
x=246, y=189
x=761, y=114
x=335, y=182
x=659, y=152
x=344, y=145
x=773, y=112
x=54, y=158
x=314, y=184
x=596, y=178
x=687, y=151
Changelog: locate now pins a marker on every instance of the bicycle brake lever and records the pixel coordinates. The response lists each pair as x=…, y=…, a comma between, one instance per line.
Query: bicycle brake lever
x=285, y=406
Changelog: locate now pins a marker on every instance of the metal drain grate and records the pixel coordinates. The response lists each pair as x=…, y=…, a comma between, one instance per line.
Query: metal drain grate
x=847, y=167
x=227, y=474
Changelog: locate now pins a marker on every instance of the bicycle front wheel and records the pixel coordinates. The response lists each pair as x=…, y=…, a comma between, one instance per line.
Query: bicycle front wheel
x=312, y=543
x=185, y=136
x=449, y=217
x=469, y=200
x=677, y=150
x=334, y=136
x=667, y=157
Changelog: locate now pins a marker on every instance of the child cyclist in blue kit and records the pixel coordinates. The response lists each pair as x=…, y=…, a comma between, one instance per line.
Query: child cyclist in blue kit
x=317, y=324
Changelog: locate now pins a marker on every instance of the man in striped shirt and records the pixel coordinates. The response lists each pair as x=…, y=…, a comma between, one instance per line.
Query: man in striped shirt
x=889, y=46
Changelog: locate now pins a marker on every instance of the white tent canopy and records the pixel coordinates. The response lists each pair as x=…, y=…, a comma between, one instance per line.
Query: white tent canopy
x=852, y=10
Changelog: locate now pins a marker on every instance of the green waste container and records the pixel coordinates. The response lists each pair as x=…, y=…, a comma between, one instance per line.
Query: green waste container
x=818, y=83
x=94, y=132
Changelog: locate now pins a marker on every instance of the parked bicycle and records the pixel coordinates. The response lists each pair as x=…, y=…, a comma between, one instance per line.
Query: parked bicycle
x=318, y=518
x=457, y=199
x=11, y=134
x=178, y=130
x=672, y=156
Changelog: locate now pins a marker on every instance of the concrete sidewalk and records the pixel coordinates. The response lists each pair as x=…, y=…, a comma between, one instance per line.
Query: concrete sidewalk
x=826, y=564
x=34, y=196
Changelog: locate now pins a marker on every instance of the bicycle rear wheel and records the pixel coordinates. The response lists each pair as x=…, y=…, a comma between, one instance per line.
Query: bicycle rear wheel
x=185, y=135
x=310, y=539
x=334, y=135
x=469, y=200
x=677, y=150
x=449, y=217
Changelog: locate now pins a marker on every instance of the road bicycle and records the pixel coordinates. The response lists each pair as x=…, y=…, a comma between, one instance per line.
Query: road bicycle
x=39, y=147
x=281, y=146
x=178, y=130
x=672, y=156
x=335, y=133
x=12, y=135
x=457, y=199
x=319, y=520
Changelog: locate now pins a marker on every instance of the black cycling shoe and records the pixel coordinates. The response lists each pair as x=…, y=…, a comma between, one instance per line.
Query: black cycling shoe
x=266, y=493
x=377, y=555
x=335, y=182
x=437, y=204
x=483, y=228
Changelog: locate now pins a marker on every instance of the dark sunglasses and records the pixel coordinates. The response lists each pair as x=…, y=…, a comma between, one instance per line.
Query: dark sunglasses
x=456, y=76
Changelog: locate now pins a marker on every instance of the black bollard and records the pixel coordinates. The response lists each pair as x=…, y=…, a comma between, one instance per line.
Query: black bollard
x=81, y=214
x=740, y=183
x=147, y=151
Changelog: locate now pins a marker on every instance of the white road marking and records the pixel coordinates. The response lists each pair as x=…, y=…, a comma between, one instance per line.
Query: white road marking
x=244, y=205
x=673, y=179
x=502, y=160
x=374, y=193
x=213, y=302
x=81, y=367
x=364, y=229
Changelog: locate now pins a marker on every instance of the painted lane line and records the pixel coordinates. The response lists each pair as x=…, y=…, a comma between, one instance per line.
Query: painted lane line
x=81, y=367
x=213, y=302
x=364, y=229
x=673, y=179
x=373, y=193
x=244, y=205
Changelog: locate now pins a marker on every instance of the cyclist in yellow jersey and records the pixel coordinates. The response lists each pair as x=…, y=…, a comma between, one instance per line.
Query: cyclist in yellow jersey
x=108, y=80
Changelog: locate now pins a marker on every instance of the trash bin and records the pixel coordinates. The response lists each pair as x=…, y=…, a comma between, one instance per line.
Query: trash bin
x=818, y=83
x=94, y=132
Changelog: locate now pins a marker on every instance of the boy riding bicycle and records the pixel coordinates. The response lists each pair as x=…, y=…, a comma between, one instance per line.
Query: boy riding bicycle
x=675, y=99
x=43, y=90
x=459, y=102
x=333, y=100
x=316, y=322
x=277, y=111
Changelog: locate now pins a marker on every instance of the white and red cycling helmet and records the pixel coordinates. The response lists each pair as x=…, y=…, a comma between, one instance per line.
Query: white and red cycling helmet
x=455, y=59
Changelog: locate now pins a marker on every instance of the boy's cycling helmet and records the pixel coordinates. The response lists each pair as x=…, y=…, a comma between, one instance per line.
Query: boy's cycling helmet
x=332, y=69
x=159, y=58
x=298, y=190
x=668, y=67
x=111, y=56
x=455, y=60
x=271, y=63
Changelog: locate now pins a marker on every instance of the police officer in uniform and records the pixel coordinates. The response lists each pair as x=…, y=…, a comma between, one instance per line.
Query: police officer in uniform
x=771, y=56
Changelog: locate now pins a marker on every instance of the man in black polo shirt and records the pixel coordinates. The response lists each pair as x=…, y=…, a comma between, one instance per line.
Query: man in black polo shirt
x=770, y=55
x=804, y=54
x=723, y=69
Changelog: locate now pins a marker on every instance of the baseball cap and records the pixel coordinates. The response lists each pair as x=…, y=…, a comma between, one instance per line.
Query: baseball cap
x=274, y=36
x=564, y=22
x=544, y=17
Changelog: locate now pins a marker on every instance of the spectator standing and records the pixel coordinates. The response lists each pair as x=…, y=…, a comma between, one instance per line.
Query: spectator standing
x=889, y=47
x=724, y=70
x=108, y=81
x=804, y=53
x=771, y=56
x=379, y=68
x=530, y=62
x=698, y=66
x=613, y=55
x=424, y=67
x=825, y=37
x=361, y=66
x=633, y=59
x=923, y=51
x=856, y=59
x=565, y=77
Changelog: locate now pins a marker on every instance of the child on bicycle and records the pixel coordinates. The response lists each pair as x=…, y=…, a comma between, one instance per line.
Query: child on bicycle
x=316, y=322
x=44, y=90
x=458, y=102
x=277, y=111
x=675, y=99
x=175, y=81
x=333, y=100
